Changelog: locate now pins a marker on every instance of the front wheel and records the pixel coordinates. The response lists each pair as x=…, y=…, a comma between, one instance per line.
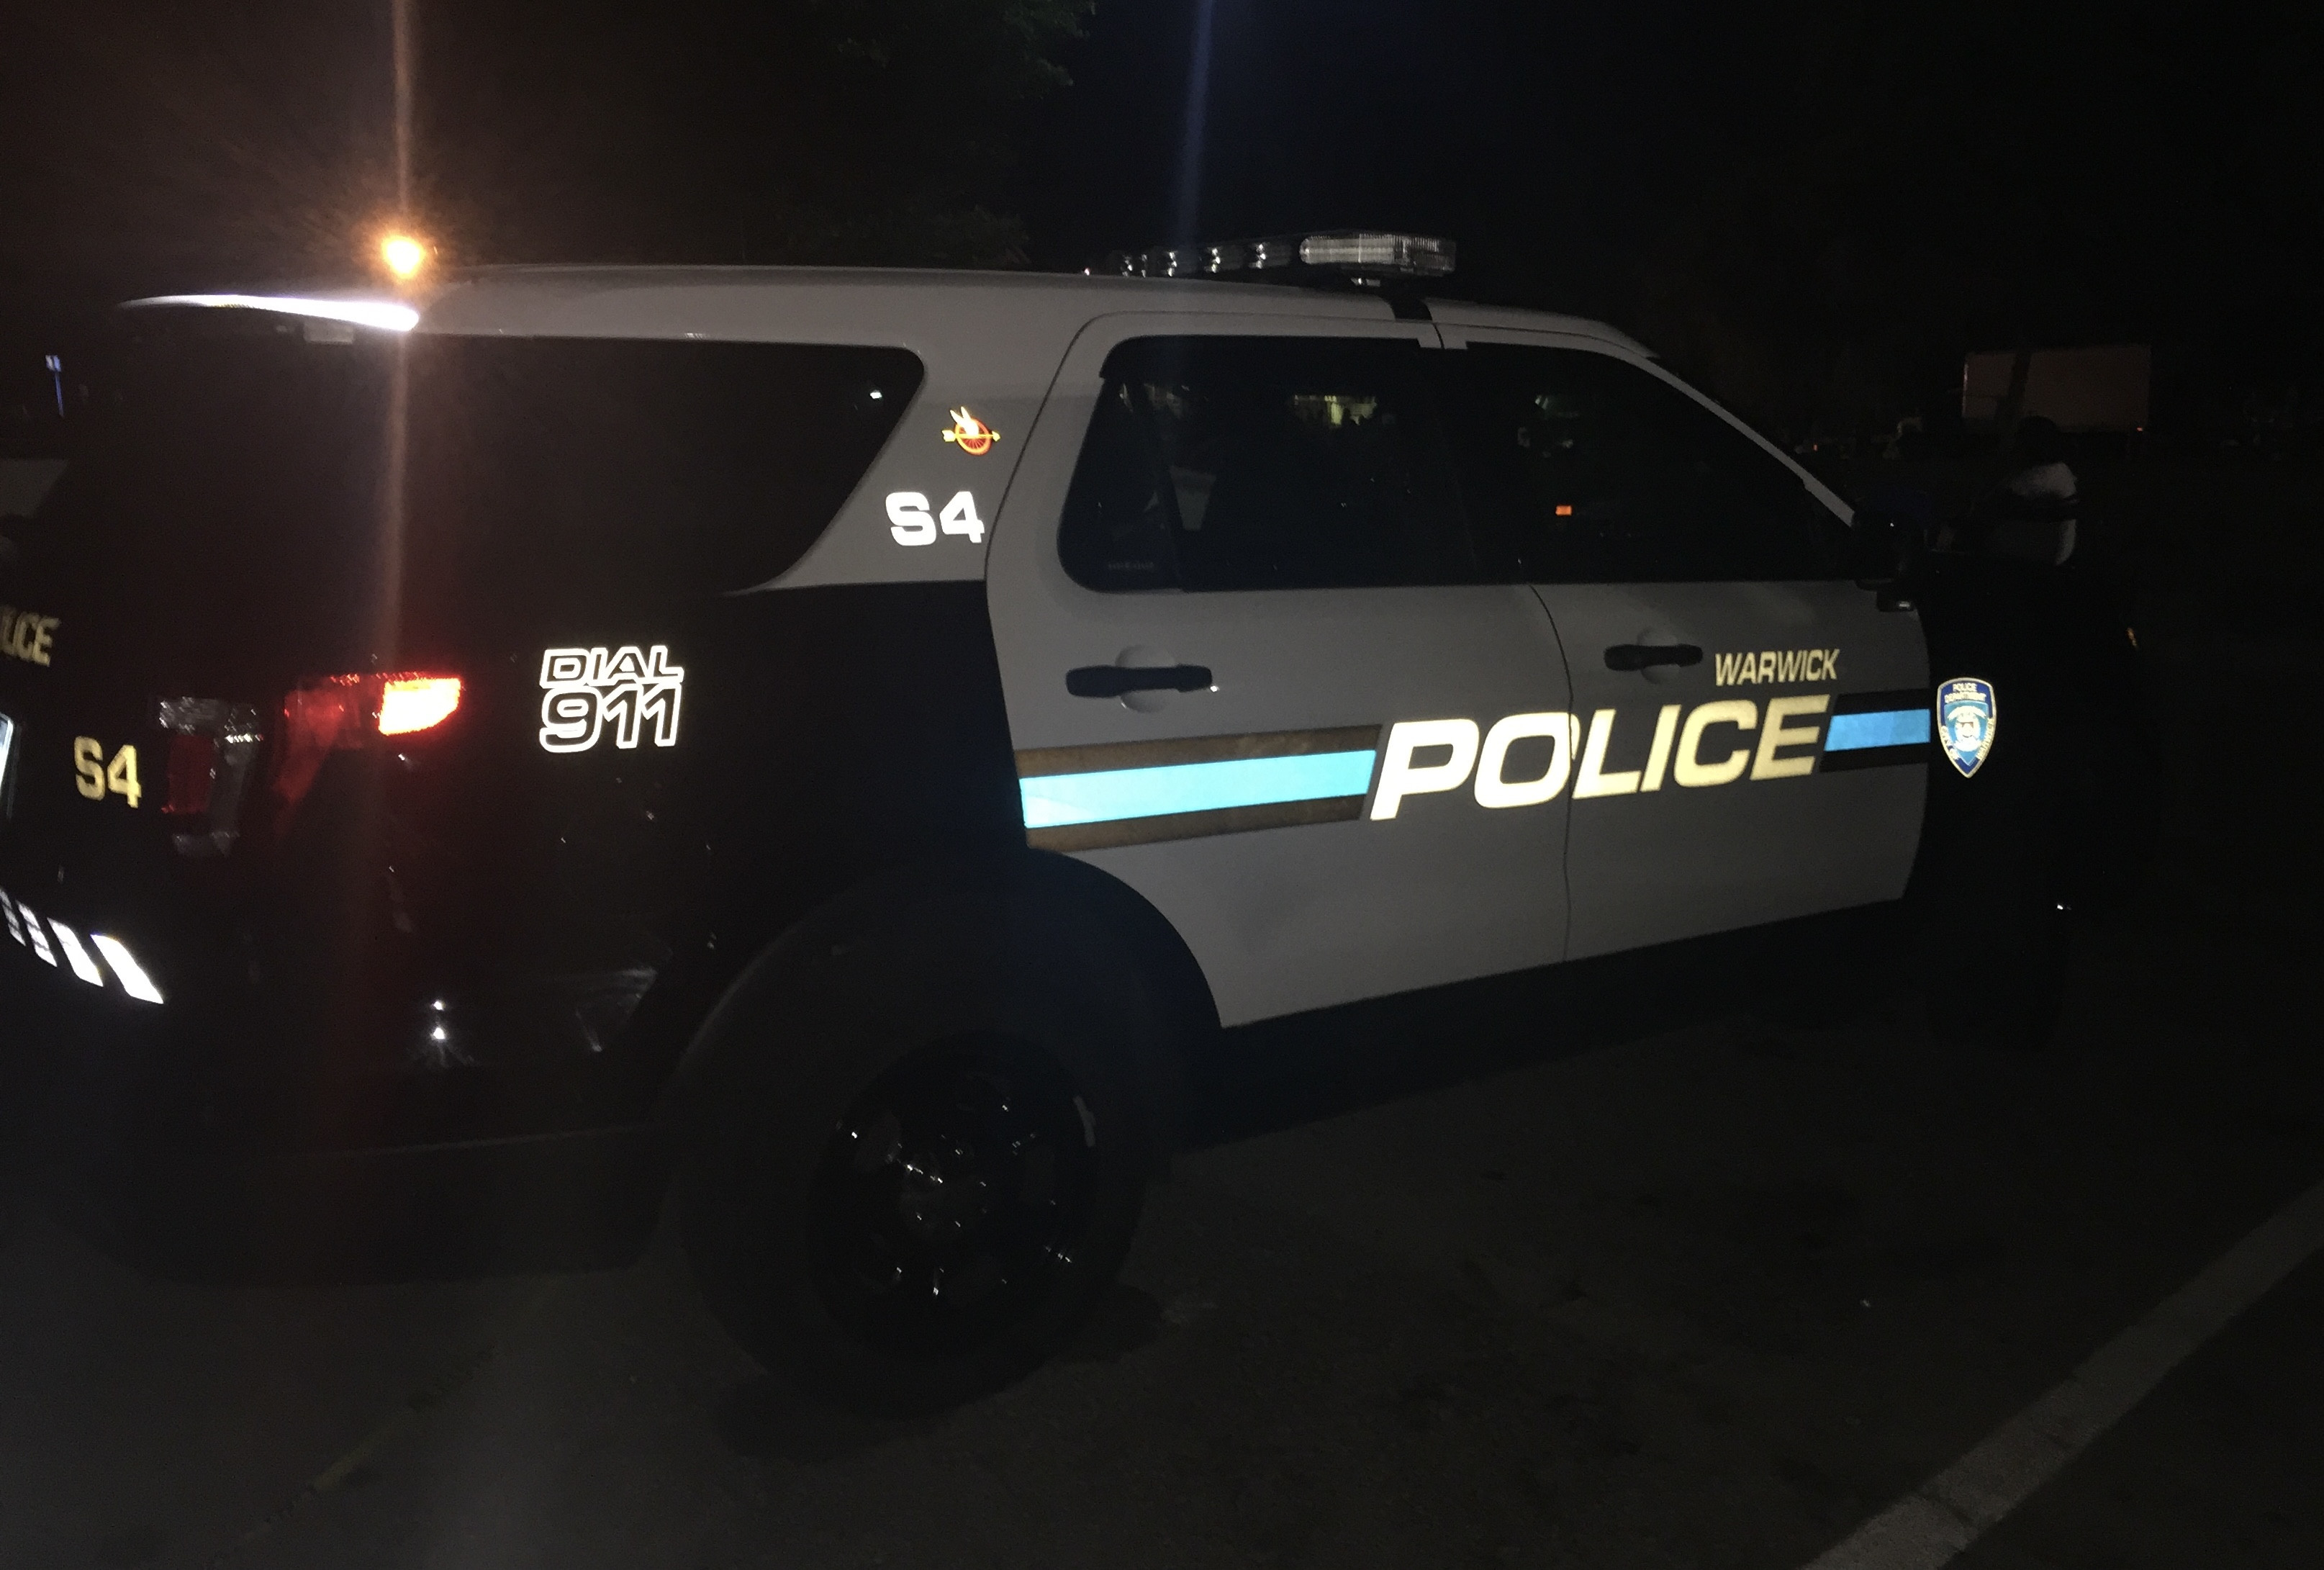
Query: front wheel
x=1996, y=940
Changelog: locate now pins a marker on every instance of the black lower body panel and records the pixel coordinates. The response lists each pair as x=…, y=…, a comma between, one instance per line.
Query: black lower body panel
x=153, y=1165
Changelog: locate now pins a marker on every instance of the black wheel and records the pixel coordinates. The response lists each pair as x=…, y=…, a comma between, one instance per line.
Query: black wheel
x=900, y=1205
x=951, y=1197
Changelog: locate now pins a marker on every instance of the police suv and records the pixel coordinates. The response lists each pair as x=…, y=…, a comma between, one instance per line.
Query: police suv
x=849, y=735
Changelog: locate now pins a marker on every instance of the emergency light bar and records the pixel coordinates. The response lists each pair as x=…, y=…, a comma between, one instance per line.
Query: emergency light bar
x=1361, y=256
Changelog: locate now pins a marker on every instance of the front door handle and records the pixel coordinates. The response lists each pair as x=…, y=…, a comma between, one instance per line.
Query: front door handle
x=1113, y=680
x=1638, y=656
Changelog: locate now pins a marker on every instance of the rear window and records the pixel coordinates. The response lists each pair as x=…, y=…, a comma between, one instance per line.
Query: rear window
x=248, y=460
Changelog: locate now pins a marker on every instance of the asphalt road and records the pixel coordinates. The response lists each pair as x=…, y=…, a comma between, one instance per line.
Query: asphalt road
x=1710, y=1298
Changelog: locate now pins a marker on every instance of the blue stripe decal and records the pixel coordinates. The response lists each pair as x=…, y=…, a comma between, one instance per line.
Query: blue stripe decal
x=1054, y=800
x=1895, y=727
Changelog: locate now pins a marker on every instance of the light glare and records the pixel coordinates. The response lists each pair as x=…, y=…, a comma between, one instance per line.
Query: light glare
x=389, y=316
x=133, y=976
x=403, y=256
x=76, y=956
x=37, y=931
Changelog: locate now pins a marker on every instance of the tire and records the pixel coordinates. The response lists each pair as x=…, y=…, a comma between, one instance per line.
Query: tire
x=1996, y=936
x=905, y=1194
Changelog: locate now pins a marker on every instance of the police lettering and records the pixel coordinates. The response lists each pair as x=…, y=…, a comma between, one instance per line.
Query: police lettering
x=1712, y=744
x=26, y=635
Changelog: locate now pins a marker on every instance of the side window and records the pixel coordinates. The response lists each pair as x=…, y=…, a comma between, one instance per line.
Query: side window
x=1601, y=472
x=1251, y=463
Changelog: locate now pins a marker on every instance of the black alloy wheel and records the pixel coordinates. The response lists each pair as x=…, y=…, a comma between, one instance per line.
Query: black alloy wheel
x=949, y=1197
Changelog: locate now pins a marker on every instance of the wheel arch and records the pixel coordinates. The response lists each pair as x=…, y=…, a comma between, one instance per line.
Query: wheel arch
x=1008, y=918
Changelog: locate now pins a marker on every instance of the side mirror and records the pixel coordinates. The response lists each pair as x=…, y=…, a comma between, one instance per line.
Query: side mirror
x=1884, y=551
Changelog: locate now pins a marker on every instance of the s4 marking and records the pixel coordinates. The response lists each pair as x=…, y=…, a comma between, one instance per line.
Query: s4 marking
x=911, y=522
x=95, y=778
x=586, y=690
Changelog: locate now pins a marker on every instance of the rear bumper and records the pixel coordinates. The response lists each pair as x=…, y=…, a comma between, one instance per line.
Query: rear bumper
x=148, y=1148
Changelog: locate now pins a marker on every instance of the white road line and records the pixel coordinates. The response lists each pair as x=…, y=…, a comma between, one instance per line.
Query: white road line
x=1936, y=1521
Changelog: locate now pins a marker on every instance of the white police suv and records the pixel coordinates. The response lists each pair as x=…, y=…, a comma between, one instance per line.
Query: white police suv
x=854, y=733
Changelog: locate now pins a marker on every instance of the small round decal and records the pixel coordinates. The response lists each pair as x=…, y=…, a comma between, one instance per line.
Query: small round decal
x=973, y=437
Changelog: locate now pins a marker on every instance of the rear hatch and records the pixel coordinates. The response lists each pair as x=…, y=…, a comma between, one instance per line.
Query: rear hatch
x=235, y=629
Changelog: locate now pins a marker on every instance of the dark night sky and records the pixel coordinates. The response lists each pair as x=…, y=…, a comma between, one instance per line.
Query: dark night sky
x=1812, y=206
x=1886, y=184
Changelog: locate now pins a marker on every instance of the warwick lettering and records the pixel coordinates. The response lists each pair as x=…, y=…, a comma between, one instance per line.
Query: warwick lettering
x=1770, y=667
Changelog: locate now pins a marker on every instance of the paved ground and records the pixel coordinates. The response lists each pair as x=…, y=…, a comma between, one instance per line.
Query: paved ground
x=1708, y=1299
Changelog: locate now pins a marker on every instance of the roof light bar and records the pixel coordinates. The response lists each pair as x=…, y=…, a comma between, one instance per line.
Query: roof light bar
x=387, y=314
x=1407, y=255
x=1358, y=255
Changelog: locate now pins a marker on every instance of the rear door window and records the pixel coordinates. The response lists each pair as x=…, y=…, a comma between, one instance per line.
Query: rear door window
x=1265, y=463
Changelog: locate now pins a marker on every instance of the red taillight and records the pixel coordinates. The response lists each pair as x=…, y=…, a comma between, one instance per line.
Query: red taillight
x=336, y=713
x=212, y=744
x=317, y=720
x=417, y=703
x=193, y=769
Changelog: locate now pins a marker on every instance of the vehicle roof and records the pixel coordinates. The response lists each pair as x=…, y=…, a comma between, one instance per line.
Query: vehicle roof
x=843, y=303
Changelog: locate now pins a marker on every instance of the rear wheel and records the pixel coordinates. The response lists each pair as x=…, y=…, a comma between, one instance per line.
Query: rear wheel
x=909, y=1218
x=951, y=1198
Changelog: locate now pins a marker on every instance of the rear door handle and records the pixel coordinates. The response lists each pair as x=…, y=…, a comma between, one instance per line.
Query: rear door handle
x=1638, y=656
x=1113, y=680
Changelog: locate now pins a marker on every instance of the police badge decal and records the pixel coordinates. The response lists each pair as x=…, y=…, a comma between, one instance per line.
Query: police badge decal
x=1966, y=718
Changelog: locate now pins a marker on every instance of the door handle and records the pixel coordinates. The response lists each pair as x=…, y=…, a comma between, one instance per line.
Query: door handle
x=1113, y=680
x=1638, y=656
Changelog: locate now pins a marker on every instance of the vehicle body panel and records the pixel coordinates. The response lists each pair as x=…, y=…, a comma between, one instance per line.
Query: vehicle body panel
x=477, y=937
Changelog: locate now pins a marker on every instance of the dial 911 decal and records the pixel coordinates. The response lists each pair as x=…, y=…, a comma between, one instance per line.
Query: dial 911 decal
x=587, y=692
